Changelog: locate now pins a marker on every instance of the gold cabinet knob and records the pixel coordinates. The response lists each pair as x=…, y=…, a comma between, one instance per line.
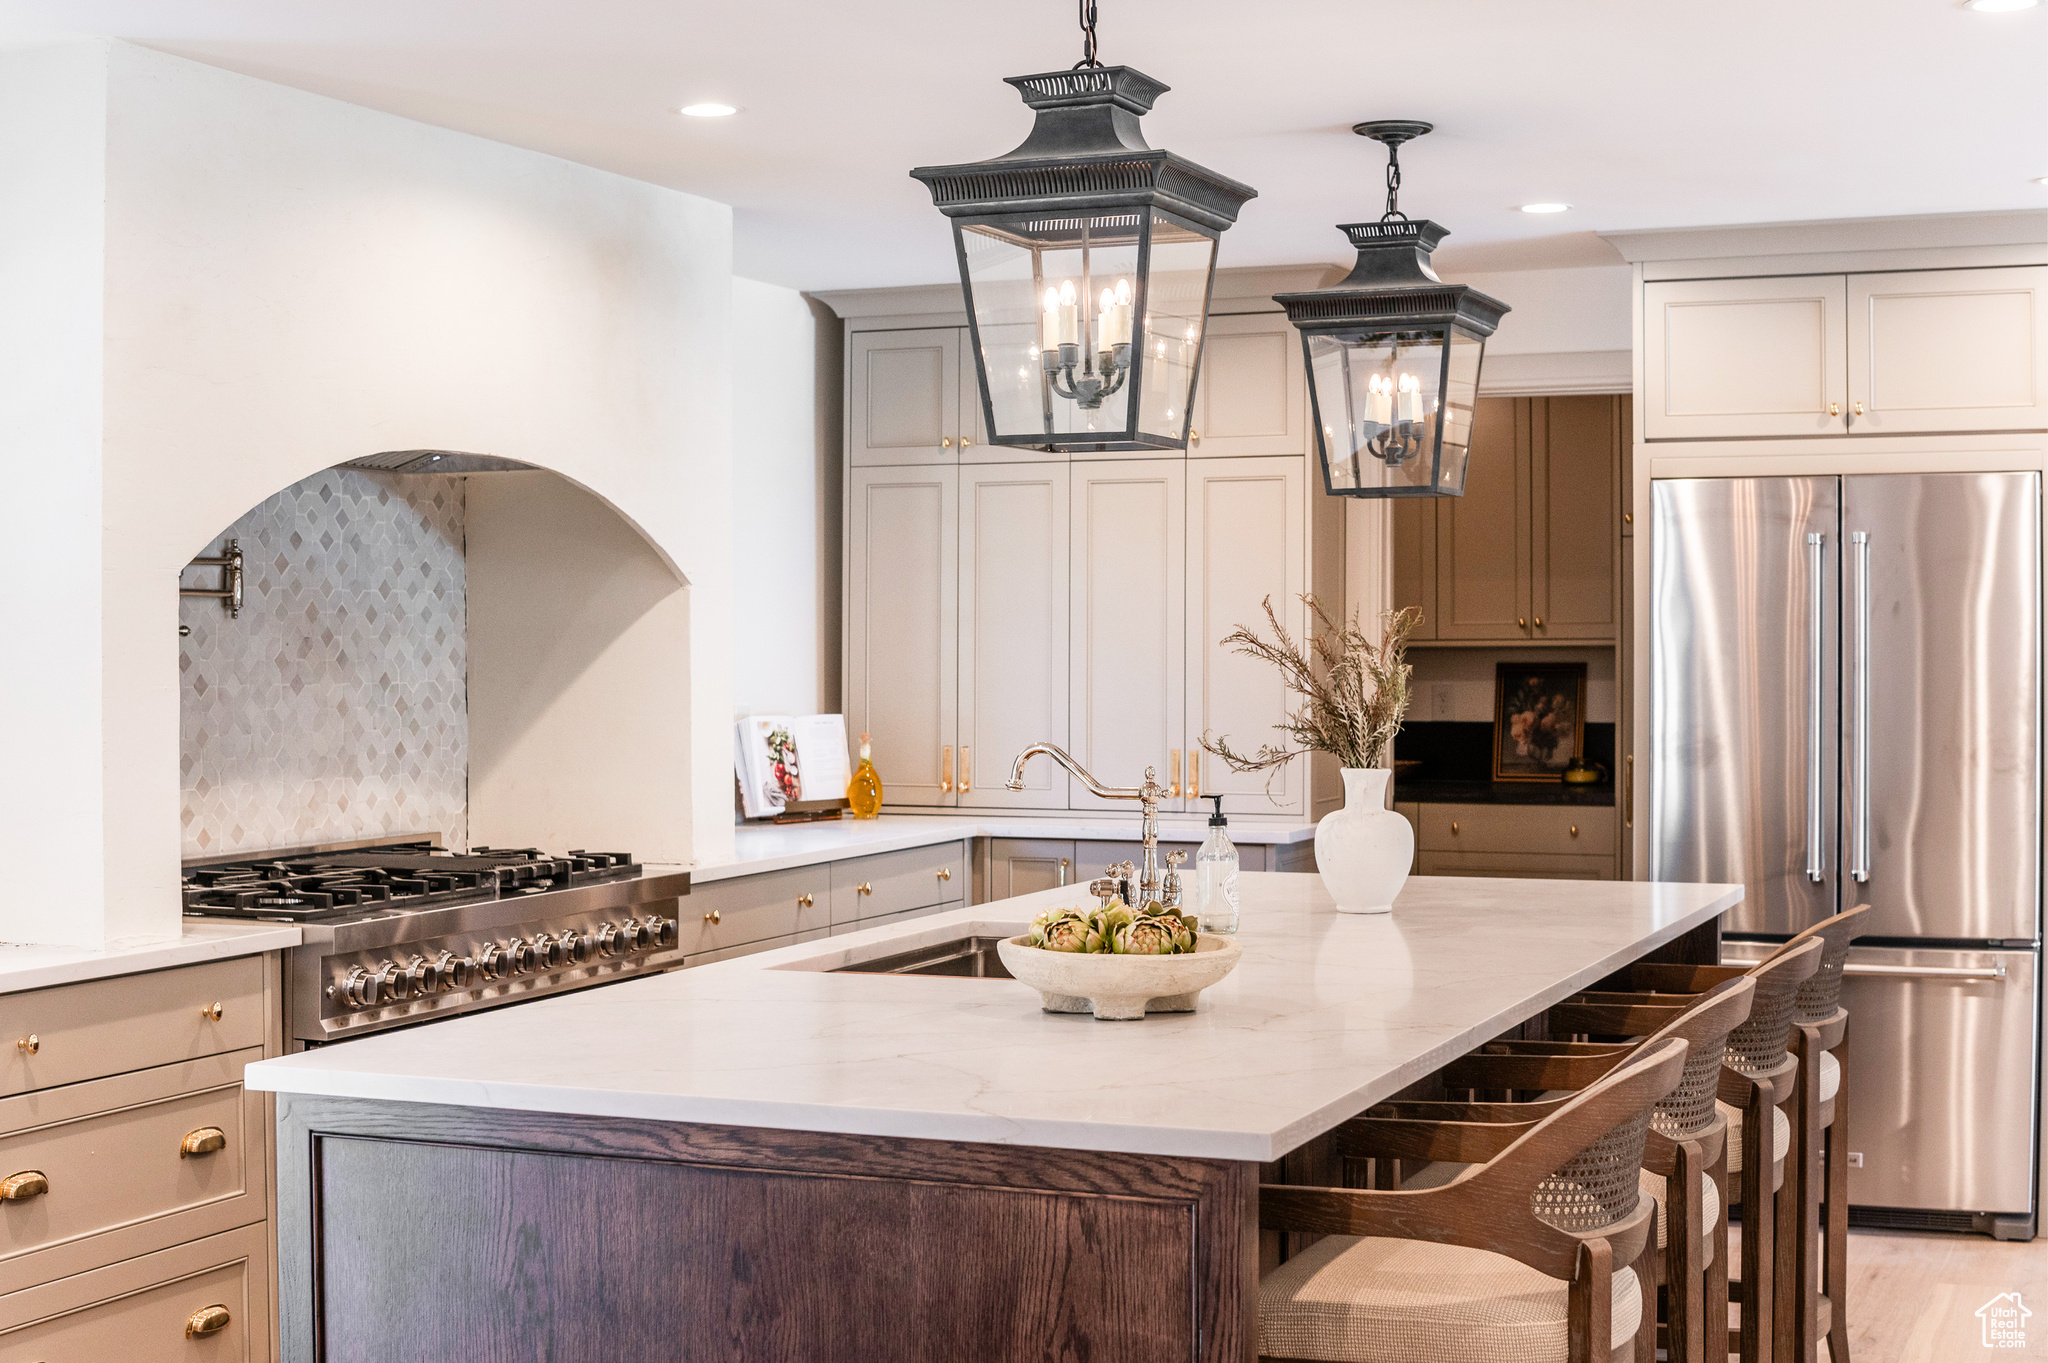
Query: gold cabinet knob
x=1859, y=409
x=1575, y=830
x=207, y=1320
x=1521, y=623
x=965, y=441
x=1454, y=828
x=204, y=1141
x=1194, y=437
x=29, y=1044
x=804, y=901
x=945, y=442
x=1834, y=409
x=24, y=1185
x=865, y=888
x=945, y=873
x=212, y=1013
x=713, y=917
x=1539, y=622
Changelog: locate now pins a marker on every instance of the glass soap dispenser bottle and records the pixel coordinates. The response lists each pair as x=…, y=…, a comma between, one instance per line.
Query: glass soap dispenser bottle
x=1216, y=876
x=864, y=790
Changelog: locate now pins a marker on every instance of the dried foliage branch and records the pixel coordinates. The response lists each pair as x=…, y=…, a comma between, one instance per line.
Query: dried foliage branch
x=1353, y=691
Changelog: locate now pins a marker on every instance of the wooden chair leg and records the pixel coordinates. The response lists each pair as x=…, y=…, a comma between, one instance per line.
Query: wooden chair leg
x=1714, y=1292
x=1759, y=1204
x=1590, y=1305
x=1646, y=1280
x=1795, y=1310
x=1683, y=1266
x=1837, y=1185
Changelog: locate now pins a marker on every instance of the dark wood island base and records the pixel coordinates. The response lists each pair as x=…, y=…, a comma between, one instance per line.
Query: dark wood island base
x=412, y=1231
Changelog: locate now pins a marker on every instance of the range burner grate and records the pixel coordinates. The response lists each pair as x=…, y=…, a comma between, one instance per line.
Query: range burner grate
x=377, y=880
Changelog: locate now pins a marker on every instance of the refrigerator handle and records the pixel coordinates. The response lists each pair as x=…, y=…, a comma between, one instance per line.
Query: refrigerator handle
x=1815, y=858
x=1927, y=972
x=1859, y=842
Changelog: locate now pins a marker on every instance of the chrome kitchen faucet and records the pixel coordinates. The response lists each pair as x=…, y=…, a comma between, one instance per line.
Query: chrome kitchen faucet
x=1151, y=887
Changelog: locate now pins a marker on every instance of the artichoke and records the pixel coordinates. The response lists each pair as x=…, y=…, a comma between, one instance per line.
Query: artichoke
x=1065, y=930
x=1151, y=935
x=1108, y=918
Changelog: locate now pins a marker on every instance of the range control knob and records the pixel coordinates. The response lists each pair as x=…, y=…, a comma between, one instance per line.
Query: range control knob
x=661, y=932
x=575, y=947
x=519, y=955
x=422, y=977
x=610, y=941
x=492, y=961
x=547, y=952
x=364, y=987
x=454, y=970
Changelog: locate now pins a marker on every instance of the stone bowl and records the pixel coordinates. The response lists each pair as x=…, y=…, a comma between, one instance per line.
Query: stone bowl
x=1120, y=988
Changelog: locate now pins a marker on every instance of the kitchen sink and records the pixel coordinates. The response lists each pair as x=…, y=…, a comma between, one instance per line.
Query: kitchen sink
x=966, y=957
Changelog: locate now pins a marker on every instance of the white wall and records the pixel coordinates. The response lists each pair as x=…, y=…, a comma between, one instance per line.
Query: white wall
x=1568, y=331
x=291, y=282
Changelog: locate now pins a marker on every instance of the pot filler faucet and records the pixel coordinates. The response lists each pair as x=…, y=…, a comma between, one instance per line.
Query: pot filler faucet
x=1136, y=886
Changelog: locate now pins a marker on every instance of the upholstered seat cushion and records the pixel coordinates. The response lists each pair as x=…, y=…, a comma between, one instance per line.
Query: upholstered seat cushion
x=1781, y=1140
x=1373, y=1300
x=1830, y=1076
x=1710, y=1205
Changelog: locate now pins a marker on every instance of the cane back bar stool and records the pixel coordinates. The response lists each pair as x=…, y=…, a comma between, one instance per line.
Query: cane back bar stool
x=1524, y=1257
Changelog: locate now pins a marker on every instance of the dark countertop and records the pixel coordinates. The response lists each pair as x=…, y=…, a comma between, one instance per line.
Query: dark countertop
x=1422, y=790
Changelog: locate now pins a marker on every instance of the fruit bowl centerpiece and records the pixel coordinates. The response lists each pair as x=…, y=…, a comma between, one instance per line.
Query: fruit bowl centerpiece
x=1116, y=962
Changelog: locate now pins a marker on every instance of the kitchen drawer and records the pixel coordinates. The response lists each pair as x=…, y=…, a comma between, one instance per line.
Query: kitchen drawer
x=1515, y=865
x=140, y=1309
x=755, y=948
x=841, y=929
x=871, y=887
x=730, y=913
x=119, y=1182
x=74, y=1032
x=1574, y=830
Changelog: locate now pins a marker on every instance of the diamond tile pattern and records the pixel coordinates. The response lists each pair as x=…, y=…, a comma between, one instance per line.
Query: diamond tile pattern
x=336, y=705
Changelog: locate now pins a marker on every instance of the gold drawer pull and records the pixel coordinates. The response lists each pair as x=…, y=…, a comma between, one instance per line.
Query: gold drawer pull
x=713, y=917
x=1575, y=830
x=804, y=901
x=213, y=1014
x=207, y=1320
x=945, y=873
x=204, y=1141
x=1454, y=828
x=866, y=888
x=29, y=1044
x=24, y=1185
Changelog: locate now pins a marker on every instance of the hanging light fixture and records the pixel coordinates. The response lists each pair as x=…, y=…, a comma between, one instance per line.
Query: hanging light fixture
x=1393, y=353
x=1086, y=258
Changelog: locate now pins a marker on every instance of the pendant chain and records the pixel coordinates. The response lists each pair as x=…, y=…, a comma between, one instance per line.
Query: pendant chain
x=1393, y=184
x=1087, y=35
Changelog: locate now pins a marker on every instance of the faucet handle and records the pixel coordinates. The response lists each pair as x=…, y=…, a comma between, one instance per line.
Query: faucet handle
x=1104, y=889
x=1176, y=856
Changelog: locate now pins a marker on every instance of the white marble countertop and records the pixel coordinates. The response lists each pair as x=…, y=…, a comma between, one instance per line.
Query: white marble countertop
x=204, y=939
x=776, y=847
x=1327, y=1014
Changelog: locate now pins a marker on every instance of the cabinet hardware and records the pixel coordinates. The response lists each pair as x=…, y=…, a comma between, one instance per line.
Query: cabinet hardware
x=1927, y=972
x=965, y=441
x=1628, y=792
x=1194, y=773
x=945, y=873
x=713, y=917
x=229, y=593
x=945, y=442
x=1539, y=622
x=1575, y=830
x=1454, y=828
x=1173, y=774
x=207, y=1320
x=204, y=1141
x=24, y=1185
x=1063, y=870
x=1628, y=518
x=29, y=1044
x=966, y=761
x=1194, y=437
x=1521, y=624
x=212, y=1013
x=1834, y=409
x=865, y=888
x=804, y=901
x=946, y=767
x=1859, y=409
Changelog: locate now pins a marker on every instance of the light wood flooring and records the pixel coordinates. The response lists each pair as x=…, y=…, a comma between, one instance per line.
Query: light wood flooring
x=1914, y=1298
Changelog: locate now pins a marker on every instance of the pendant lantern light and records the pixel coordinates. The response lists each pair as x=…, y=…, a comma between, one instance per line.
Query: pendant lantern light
x=1393, y=353
x=1086, y=258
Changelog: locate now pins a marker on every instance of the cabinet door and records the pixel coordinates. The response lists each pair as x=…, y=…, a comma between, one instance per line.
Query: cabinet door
x=1013, y=631
x=902, y=644
x=1574, y=492
x=903, y=396
x=1027, y=865
x=1744, y=357
x=1482, y=538
x=1128, y=624
x=1246, y=545
x=1414, y=524
x=1251, y=396
x=1948, y=350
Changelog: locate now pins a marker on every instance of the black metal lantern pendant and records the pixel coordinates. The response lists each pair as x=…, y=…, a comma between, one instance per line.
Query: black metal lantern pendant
x=1393, y=354
x=1086, y=258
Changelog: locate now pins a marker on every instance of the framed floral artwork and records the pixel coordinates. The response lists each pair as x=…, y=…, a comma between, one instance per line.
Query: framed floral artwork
x=1539, y=719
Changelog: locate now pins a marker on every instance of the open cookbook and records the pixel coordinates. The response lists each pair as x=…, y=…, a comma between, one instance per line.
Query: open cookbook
x=785, y=760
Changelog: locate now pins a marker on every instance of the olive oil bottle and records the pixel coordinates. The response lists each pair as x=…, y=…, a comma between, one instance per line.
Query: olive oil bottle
x=864, y=791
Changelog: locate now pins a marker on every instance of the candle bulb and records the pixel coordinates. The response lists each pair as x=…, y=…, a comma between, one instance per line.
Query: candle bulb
x=1379, y=400
x=1070, y=323
x=1049, y=322
x=1411, y=398
x=1105, y=319
x=1121, y=332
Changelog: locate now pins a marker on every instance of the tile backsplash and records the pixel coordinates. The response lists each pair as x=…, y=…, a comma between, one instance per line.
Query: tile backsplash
x=335, y=707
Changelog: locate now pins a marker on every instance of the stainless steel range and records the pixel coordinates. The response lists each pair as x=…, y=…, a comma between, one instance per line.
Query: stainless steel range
x=400, y=932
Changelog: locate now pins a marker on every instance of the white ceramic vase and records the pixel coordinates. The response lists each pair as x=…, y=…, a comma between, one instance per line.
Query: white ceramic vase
x=1364, y=849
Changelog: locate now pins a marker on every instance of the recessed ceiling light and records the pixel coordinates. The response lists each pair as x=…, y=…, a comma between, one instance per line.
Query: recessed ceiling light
x=708, y=110
x=1998, y=6
x=2041, y=180
x=1544, y=208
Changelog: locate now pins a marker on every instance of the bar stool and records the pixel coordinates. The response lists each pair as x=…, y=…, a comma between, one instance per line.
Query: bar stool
x=1524, y=1255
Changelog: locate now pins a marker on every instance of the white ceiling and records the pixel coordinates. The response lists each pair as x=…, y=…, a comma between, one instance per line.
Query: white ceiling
x=1639, y=114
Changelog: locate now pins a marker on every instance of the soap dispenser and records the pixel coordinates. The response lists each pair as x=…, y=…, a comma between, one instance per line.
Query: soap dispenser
x=1216, y=876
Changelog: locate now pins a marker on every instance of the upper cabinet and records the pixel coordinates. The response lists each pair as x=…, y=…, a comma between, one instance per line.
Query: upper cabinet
x=1013, y=632
x=1905, y=352
x=1251, y=396
x=903, y=400
x=902, y=629
x=1531, y=552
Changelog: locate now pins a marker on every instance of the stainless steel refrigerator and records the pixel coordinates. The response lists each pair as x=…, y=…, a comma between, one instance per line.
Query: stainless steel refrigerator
x=1845, y=698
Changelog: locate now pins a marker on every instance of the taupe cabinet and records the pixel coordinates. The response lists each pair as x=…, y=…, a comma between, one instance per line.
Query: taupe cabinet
x=998, y=597
x=745, y=914
x=139, y=1170
x=1522, y=842
x=1884, y=353
x=1531, y=552
x=1025, y=865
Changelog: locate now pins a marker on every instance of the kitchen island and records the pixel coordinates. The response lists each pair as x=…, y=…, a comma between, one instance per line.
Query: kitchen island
x=770, y=1158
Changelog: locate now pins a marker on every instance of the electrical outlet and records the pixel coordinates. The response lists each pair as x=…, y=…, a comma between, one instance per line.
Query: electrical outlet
x=1855, y=1159
x=1441, y=700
